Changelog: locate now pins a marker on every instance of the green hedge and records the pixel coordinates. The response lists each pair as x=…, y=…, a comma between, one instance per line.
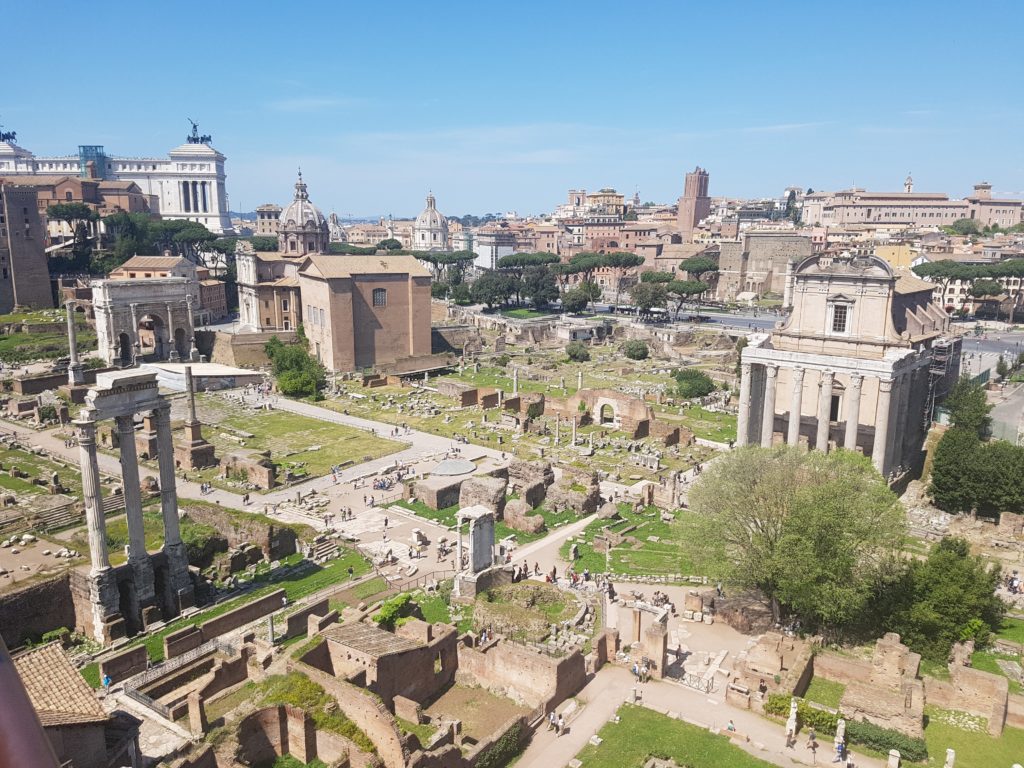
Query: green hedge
x=883, y=739
x=857, y=732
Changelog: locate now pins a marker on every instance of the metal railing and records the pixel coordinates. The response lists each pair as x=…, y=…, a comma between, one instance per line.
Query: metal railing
x=166, y=667
x=148, y=702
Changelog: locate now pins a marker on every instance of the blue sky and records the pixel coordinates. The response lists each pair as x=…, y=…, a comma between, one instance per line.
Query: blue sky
x=505, y=106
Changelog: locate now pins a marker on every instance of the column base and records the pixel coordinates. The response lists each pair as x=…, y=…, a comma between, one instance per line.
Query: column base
x=179, y=590
x=105, y=601
x=76, y=374
x=143, y=593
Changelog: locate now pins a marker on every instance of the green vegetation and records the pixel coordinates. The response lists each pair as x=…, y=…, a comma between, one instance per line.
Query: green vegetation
x=393, y=610
x=422, y=731
x=48, y=342
x=446, y=517
x=36, y=467
x=287, y=761
x=693, y=382
x=828, y=693
x=298, y=373
x=827, y=527
x=642, y=733
x=504, y=749
x=577, y=351
x=298, y=690
x=524, y=313
x=91, y=673
x=295, y=585
x=635, y=350
x=986, y=661
x=974, y=749
x=1012, y=630
x=709, y=425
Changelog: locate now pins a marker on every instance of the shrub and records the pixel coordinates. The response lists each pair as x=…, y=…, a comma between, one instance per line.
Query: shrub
x=693, y=383
x=819, y=719
x=635, y=350
x=502, y=360
x=504, y=749
x=577, y=351
x=883, y=739
x=534, y=410
x=391, y=611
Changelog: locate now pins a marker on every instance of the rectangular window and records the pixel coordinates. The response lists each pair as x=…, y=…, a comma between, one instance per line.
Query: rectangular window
x=839, y=318
x=380, y=297
x=284, y=305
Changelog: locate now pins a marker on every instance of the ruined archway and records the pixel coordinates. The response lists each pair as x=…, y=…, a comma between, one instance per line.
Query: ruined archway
x=607, y=414
x=181, y=345
x=153, y=338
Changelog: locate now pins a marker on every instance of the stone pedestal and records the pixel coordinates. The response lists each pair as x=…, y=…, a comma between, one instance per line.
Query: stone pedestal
x=105, y=599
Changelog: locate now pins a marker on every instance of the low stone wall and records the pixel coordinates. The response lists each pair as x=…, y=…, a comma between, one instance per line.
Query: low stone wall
x=29, y=612
x=245, y=350
x=125, y=664
x=978, y=693
x=297, y=622
x=1015, y=711
x=484, y=745
x=179, y=677
x=525, y=676
x=177, y=643
x=841, y=669
x=225, y=673
x=369, y=714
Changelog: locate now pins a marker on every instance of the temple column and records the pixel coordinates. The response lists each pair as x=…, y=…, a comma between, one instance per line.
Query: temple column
x=136, y=339
x=743, y=417
x=179, y=591
x=795, y=406
x=901, y=403
x=91, y=496
x=878, y=450
x=852, y=412
x=768, y=415
x=75, y=376
x=824, y=410
x=130, y=483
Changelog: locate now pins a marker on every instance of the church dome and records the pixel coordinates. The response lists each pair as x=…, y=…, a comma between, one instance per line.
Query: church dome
x=301, y=213
x=430, y=231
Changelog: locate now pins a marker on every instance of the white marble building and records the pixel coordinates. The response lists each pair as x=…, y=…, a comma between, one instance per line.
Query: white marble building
x=189, y=183
x=860, y=363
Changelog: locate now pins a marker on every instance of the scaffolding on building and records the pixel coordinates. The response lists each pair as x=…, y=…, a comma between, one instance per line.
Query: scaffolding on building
x=942, y=353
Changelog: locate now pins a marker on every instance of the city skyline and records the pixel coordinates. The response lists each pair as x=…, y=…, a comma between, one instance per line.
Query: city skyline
x=378, y=114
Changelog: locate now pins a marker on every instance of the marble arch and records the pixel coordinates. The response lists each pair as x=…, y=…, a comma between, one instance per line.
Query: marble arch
x=166, y=303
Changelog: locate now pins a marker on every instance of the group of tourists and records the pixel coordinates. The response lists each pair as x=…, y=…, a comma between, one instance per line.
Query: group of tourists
x=556, y=723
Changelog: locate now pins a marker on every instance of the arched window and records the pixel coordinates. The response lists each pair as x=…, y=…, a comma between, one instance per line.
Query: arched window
x=380, y=297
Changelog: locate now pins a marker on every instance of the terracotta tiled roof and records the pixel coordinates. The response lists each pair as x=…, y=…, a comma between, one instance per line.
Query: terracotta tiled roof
x=60, y=695
x=340, y=266
x=909, y=284
x=373, y=641
x=152, y=262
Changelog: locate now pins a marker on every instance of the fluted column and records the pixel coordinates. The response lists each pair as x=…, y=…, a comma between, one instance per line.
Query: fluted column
x=878, y=451
x=95, y=522
x=795, y=406
x=168, y=491
x=768, y=415
x=130, y=483
x=852, y=412
x=824, y=410
x=743, y=417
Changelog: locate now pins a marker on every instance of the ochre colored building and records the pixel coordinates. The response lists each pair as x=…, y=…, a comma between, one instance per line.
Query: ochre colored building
x=365, y=311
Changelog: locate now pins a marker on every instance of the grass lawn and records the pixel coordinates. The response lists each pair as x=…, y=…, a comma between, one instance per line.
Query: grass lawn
x=295, y=586
x=710, y=425
x=642, y=733
x=825, y=692
x=295, y=442
x=50, y=345
x=973, y=749
x=669, y=554
x=37, y=466
x=524, y=313
x=1013, y=630
x=986, y=662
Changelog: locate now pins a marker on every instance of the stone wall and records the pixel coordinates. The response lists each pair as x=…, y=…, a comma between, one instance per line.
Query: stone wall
x=455, y=338
x=525, y=676
x=841, y=669
x=276, y=541
x=484, y=491
x=225, y=673
x=29, y=612
x=125, y=664
x=177, y=643
x=297, y=622
x=369, y=714
x=245, y=350
x=438, y=492
x=978, y=693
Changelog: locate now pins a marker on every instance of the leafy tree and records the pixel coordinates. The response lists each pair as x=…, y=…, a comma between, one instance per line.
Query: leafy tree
x=646, y=296
x=493, y=288
x=390, y=244
x=983, y=288
x=1000, y=467
x=539, y=286
x=954, y=477
x=948, y=597
x=693, y=382
x=792, y=212
x=656, y=277
x=1002, y=367
x=575, y=301
x=577, y=351
x=263, y=244
x=77, y=216
x=635, y=350
x=460, y=294
x=968, y=406
x=298, y=374
x=630, y=215
x=619, y=262
x=696, y=267
x=518, y=263
x=963, y=227
x=814, y=532
x=591, y=290
x=681, y=290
